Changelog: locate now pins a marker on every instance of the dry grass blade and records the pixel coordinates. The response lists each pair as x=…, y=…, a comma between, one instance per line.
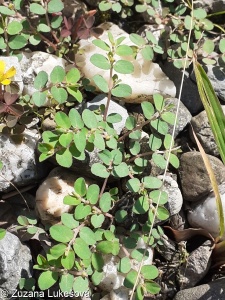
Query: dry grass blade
x=214, y=185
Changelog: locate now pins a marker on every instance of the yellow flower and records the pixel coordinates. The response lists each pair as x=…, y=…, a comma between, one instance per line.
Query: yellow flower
x=5, y=77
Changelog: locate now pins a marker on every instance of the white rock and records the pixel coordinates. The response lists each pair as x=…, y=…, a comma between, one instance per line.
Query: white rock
x=147, y=78
x=34, y=62
x=204, y=214
x=12, y=61
x=113, y=108
x=50, y=195
x=175, y=199
x=19, y=161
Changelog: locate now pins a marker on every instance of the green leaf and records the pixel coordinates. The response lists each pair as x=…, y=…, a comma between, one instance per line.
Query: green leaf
x=89, y=119
x=134, y=147
x=82, y=211
x=6, y=11
x=14, y=27
x=162, y=213
x=151, y=182
x=123, y=67
x=124, y=50
x=133, y=185
x=136, y=135
x=107, y=247
x=168, y=140
x=71, y=200
x=75, y=119
x=65, y=139
x=168, y=117
x=37, y=9
x=101, y=83
x=2, y=233
x=80, y=186
x=100, y=61
x=39, y=98
x=159, y=196
x=147, y=52
x=188, y=22
x=130, y=279
x=149, y=272
x=120, y=215
x=56, y=22
x=62, y=120
x=160, y=126
x=64, y=158
x=73, y=91
x=121, y=170
x=93, y=193
x=154, y=142
x=222, y=45
x=101, y=44
x=124, y=265
x=141, y=205
x=152, y=287
x=159, y=160
x=174, y=161
x=81, y=248
x=139, y=254
x=67, y=260
x=122, y=90
x=66, y=282
x=17, y=42
x=97, y=261
x=55, y=6
x=68, y=220
x=148, y=109
x=114, y=118
x=99, y=170
x=47, y=279
x=40, y=80
x=104, y=6
x=208, y=46
x=99, y=141
x=87, y=235
x=80, y=285
x=59, y=94
x=73, y=76
x=97, y=220
x=130, y=123
x=34, y=39
x=97, y=277
x=159, y=102
x=57, y=75
x=137, y=39
x=105, y=202
x=61, y=233
x=43, y=28
x=116, y=7
x=199, y=13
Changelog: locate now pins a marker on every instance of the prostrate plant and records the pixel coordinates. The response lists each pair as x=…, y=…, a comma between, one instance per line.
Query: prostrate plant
x=94, y=229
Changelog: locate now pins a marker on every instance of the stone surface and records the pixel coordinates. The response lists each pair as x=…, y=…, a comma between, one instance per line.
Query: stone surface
x=73, y=7
x=196, y=266
x=12, y=61
x=16, y=262
x=184, y=116
x=204, y=213
x=211, y=291
x=50, y=195
x=20, y=164
x=175, y=199
x=146, y=79
x=190, y=96
x=34, y=62
x=204, y=133
x=114, y=107
x=194, y=178
x=212, y=5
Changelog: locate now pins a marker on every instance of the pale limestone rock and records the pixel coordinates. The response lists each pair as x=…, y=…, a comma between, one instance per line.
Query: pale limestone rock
x=50, y=195
x=147, y=78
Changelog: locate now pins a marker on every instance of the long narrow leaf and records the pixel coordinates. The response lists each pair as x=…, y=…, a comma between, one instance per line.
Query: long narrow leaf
x=212, y=107
x=214, y=185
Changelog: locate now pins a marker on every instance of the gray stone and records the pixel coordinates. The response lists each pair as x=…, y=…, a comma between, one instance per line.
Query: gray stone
x=113, y=108
x=204, y=133
x=20, y=164
x=212, y=5
x=184, y=116
x=175, y=199
x=196, y=266
x=211, y=291
x=34, y=62
x=16, y=262
x=194, y=179
x=73, y=7
x=204, y=213
x=190, y=96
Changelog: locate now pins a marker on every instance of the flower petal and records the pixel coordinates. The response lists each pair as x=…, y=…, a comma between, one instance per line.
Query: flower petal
x=6, y=82
x=2, y=67
x=10, y=73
